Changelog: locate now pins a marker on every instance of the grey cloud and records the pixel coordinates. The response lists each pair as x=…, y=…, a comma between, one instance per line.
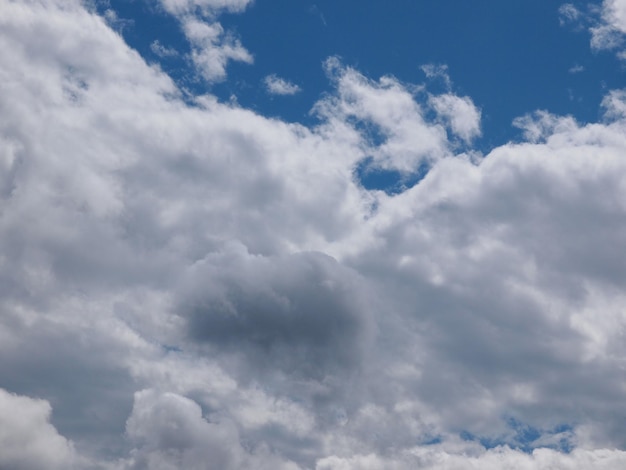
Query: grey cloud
x=306, y=312
x=78, y=369
x=499, y=275
x=170, y=433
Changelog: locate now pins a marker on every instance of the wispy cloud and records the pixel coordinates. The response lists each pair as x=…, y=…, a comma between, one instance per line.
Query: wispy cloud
x=162, y=51
x=569, y=15
x=610, y=30
x=275, y=85
x=576, y=69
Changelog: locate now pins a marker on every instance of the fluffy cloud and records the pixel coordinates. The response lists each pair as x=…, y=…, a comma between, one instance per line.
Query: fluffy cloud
x=194, y=285
x=171, y=433
x=212, y=48
x=542, y=459
x=27, y=439
x=460, y=113
x=388, y=117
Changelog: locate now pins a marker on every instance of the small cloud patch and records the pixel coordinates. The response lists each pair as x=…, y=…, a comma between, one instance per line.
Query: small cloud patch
x=275, y=85
x=162, y=51
x=576, y=69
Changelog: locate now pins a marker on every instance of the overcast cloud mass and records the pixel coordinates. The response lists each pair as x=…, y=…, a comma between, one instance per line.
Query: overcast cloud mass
x=188, y=284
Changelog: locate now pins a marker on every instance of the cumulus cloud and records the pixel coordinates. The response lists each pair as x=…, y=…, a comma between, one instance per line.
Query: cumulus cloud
x=195, y=285
x=27, y=439
x=542, y=459
x=171, y=433
x=279, y=86
x=387, y=115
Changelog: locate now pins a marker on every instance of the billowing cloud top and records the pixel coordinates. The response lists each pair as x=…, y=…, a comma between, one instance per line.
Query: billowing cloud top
x=189, y=284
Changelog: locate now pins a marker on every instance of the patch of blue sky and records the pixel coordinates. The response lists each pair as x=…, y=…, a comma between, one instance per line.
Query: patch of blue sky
x=390, y=181
x=432, y=441
x=526, y=438
x=510, y=57
x=144, y=24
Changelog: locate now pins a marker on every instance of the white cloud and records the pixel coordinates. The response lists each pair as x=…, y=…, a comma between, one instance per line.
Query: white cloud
x=614, y=104
x=27, y=439
x=279, y=86
x=615, y=11
x=162, y=51
x=389, y=116
x=437, y=71
x=609, y=33
x=206, y=7
x=541, y=125
x=116, y=22
x=576, y=69
x=495, y=459
x=355, y=328
x=213, y=48
x=460, y=113
x=569, y=14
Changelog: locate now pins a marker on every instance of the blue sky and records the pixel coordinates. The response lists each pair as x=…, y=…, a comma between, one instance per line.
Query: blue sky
x=510, y=57
x=299, y=235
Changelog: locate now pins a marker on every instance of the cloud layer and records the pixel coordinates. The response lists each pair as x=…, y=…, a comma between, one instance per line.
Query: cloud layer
x=193, y=285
